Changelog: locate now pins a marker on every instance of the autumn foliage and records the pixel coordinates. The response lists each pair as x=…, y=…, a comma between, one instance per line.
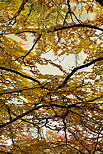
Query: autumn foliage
x=51, y=76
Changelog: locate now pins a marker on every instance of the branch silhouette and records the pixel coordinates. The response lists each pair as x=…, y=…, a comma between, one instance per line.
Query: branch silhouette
x=18, y=11
x=78, y=68
x=63, y=27
x=78, y=25
x=36, y=108
x=20, y=74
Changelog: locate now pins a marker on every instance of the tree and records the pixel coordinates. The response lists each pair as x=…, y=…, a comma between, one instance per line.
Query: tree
x=43, y=112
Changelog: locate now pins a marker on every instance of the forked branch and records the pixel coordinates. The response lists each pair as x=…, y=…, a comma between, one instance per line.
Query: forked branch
x=36, y=108
x=78, y=68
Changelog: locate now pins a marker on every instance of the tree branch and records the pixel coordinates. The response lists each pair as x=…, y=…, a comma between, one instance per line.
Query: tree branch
x=32, y=46
x=20, y=74
x=17, y=91
x=64, y=27
x=35, y=108
x=78, y=25
x=78, y=68
x=19, y=11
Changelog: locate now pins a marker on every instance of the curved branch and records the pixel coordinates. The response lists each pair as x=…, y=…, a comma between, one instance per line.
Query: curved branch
x=78, y=25
x=78, y=68
x=26, y=31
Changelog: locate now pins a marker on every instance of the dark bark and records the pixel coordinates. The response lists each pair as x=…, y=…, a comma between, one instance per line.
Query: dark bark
x=100, y=2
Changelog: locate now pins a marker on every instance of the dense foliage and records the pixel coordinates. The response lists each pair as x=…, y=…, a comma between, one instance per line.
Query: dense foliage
x=51, y=76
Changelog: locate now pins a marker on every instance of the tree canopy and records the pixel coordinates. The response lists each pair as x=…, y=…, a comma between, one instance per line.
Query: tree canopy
x=51, y=76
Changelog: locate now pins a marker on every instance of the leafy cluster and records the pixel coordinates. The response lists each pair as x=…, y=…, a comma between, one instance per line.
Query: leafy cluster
x=51, y=76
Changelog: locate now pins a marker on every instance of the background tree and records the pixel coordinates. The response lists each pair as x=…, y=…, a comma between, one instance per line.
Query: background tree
x=58, y=111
